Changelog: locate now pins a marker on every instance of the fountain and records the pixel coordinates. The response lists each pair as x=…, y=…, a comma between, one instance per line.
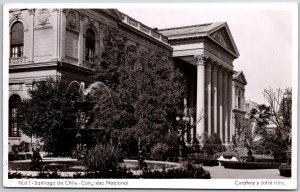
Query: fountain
x=83, y=106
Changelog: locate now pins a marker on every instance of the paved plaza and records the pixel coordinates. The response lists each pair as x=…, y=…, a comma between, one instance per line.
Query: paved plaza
x=219, y=172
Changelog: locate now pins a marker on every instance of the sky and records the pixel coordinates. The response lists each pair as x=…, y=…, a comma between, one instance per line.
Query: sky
x=263, y=38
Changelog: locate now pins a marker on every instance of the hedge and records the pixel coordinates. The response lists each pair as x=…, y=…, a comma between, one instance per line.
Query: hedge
x=285, y=171
x=264, y=160
x=250, y=165
x=204, y=161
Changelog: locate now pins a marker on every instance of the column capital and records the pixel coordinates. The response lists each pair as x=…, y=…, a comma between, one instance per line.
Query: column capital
x=220, y=68
x=214, y=65
x=230, y=72
x=225, y=71
x=201, y=59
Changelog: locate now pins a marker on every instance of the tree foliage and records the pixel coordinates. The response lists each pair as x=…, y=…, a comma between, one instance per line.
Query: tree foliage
x=46, y=113
x=274, y=120
x=213, y=143
x=147, y=90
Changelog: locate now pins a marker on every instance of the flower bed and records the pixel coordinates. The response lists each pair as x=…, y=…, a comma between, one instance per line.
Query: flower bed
x=250, y=165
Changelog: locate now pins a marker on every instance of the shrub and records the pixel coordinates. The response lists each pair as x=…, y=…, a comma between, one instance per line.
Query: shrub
x=15, y=175
x=48, y=174
x=250, y=165
x=118, y=174
x=285, y=170
x=102, y=158
x=160, y=151
x=280, y=156
x=191, y=171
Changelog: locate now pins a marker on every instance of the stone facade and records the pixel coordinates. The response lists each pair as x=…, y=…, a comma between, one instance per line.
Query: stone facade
x=54, y=45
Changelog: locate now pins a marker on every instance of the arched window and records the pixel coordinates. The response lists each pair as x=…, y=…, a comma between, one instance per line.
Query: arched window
x=16, y=40
x=14, y=102
x=90, y=45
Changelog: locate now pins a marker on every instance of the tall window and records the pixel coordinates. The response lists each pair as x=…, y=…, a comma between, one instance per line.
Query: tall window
x=14, y=102
x=17, y=40
x=90, y=45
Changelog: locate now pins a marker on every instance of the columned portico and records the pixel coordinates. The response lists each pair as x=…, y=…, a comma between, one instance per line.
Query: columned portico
x=209, y=47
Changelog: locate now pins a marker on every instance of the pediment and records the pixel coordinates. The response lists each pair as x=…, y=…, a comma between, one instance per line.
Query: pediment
x=223, y=37
x=239, y=76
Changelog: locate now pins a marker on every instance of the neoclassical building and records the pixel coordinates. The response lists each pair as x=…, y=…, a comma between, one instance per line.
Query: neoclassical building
x=209, y=51
x=63, y=43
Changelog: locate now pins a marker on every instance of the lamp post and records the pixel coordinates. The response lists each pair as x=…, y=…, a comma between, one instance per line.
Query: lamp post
x=182, y=128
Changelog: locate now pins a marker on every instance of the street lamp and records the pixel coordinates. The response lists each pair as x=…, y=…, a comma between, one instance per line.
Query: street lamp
x=182, y=128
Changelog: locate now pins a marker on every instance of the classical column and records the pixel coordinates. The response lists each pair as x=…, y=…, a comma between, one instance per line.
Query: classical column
x=225, y=110
x=214, y=110
x=208, y=98
x=200, y=59
x=220, y=103
x=232, y=126
x=229, y=107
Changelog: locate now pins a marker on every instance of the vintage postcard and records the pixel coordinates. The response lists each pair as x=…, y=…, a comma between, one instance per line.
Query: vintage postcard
x=159, y=96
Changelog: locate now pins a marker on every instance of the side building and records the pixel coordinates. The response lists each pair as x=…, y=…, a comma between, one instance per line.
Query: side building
x=63, y=43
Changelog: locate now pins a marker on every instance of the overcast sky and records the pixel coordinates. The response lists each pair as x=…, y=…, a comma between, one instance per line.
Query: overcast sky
x=263, y=38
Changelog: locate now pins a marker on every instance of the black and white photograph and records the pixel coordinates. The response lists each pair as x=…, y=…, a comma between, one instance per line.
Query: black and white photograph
x=181, y=96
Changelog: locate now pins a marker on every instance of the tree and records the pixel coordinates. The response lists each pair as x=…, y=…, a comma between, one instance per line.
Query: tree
x=147, y=88
x=46, y=113
x=278, y=114
x=280, y=111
